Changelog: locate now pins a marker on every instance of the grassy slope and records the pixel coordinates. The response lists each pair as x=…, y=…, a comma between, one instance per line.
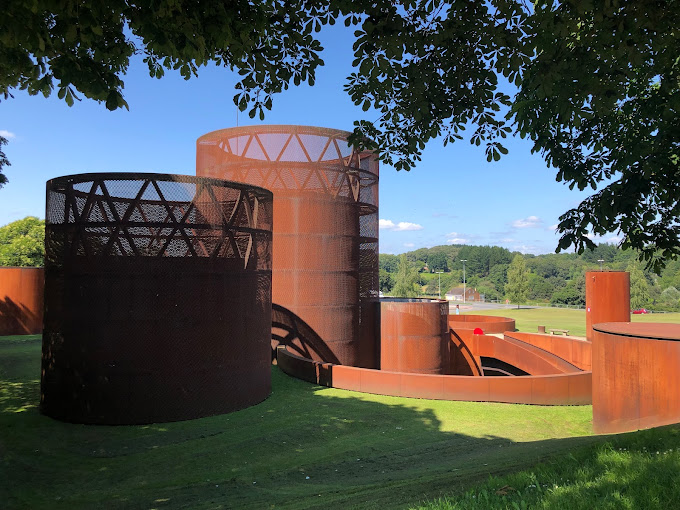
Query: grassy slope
x=358, y=450
x=629, y=471
x=528, y=319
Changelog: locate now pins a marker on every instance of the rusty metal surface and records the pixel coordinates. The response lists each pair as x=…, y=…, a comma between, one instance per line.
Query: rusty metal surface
x=607, y=298
x=21, y=300
x=158, y=298
x=574, y=350
x=414, y=335
x=488, y=323
x=528, y=358
x=325, y=266
x=636, y=381
x=561, y=389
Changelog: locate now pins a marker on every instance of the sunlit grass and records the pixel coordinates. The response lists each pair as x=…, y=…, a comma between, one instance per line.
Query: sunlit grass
x=528, y=319
x=304, y=447
x=636, y=470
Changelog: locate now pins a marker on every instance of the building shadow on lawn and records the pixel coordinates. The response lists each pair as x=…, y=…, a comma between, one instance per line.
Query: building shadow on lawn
x=304, y=447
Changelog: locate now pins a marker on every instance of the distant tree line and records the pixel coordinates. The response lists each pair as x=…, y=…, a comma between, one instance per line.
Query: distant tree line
x=496, y=272
x=557, y=279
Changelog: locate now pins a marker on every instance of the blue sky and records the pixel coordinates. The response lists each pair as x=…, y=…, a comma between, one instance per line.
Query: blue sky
x=452, y=196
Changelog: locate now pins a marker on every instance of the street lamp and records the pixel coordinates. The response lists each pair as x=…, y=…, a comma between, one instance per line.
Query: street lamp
x=440, y=283
x=464, y=282
x=601, y=261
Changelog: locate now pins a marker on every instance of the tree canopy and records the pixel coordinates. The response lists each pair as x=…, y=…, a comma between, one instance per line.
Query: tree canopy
x=22, y=243
x=517, y=287
x=597, y=84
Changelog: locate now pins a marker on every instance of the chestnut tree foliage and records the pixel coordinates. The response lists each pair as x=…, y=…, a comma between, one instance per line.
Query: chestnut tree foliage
x=593, y=84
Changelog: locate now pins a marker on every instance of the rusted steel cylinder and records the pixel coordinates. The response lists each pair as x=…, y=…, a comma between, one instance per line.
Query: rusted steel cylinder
x=636, y=383
x=414, y=335
x=21, y=300
x=158, y=298
x=325, y=268
x=607, y=298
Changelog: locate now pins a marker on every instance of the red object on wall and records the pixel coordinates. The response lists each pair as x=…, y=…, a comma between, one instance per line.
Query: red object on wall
x=21, y=300
x=607, y=298
x=325, y=266
x=636, y=381
x=414, y=335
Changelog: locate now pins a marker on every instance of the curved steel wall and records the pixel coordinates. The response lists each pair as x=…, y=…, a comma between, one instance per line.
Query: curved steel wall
x=158, y=298
x=555, y=389
x=636, y=383
x=21, y=300
x=487, y=323
x=414, y=335
x=607, y=298
x=325, y=226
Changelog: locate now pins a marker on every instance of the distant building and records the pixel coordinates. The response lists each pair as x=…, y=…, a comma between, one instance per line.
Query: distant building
x=456, y=294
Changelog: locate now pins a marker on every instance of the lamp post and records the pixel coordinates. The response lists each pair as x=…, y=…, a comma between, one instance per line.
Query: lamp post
x=440, y=283
x=601, y=261
x=464, y=282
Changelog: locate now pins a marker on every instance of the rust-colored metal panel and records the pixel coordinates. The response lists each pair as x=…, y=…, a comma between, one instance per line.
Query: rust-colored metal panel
x=490, y=324
x=636, y=381
x=21, y=300
x=325, y=268
x=607, y=298
x=414, y=335
x=560, y=389
x=526, y=357
x=158, y=298
x=574, y=350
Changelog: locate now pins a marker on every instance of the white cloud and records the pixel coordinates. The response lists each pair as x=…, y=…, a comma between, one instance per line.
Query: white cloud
x=530, y=222
x=402, y=226
x=7, y=134
x=385, y=224
x=553, y=227
x=456, y=238
x=409, y=245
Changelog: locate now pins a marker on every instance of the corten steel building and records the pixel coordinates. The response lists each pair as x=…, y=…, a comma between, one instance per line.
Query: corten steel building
x=158, y=298
x=325, y=262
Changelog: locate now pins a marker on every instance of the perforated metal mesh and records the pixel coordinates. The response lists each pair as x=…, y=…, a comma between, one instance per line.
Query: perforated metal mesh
x=158, y=295
x=325, y=228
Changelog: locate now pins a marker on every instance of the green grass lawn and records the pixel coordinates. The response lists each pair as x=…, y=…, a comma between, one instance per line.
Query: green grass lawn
x=638, y=470
x=304, y=447
x=528, y=319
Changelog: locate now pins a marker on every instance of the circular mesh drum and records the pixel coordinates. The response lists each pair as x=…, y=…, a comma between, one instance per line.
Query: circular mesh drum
x=325, y=269
x=157, y=298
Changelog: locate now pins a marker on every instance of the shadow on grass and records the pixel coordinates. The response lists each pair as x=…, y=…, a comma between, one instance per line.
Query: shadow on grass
x=304, y=447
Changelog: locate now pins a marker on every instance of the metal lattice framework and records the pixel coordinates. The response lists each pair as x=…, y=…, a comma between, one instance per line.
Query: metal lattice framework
x=160, y=215
x=158, y=295
x=325, y=268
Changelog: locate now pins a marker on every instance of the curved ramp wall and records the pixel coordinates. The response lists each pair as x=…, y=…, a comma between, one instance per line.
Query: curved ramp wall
x=636, y=381
x=21, y=300
x=325, y=267
x=414, y=335
x=558, y=389
x=158, y=298
x=571, y=349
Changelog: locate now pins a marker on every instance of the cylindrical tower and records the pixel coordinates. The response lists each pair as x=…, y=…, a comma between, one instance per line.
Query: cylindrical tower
x=414, y=335
x=158, y=298
x=21, y=300
x=325, y=265
x=607, y=298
